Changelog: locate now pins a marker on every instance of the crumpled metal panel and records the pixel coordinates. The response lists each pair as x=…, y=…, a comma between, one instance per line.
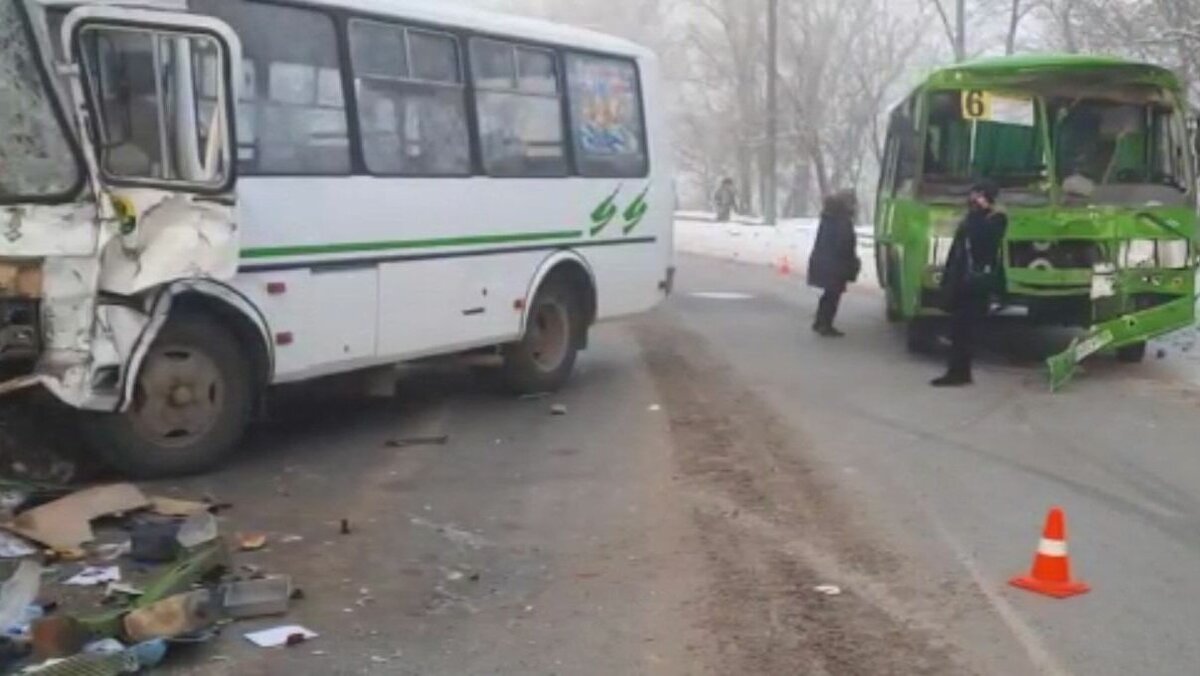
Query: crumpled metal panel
x=35, y=158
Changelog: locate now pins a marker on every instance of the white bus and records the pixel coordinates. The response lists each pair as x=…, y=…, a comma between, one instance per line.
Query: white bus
x=202, y=198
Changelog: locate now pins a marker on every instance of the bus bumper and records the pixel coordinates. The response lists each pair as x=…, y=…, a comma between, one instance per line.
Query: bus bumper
x=1129, y=329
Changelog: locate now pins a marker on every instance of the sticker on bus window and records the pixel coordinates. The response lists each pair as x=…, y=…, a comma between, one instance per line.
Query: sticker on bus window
x=989, y=107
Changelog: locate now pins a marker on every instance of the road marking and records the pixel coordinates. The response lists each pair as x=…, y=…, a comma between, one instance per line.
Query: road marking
x=1024, y=634
x=721, y=295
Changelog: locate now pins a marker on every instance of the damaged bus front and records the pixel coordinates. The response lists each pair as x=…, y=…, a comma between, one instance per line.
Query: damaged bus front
x=1097, y=177
x=116, y=180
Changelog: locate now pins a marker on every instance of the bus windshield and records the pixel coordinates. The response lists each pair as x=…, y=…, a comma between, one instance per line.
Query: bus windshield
x=36, y=161
x=1001, y=139
x=1118, y=152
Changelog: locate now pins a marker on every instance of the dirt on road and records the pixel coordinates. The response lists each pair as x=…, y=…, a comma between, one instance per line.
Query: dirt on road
x=776, y=538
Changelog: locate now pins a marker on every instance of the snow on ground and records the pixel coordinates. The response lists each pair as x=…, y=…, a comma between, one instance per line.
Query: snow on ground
x=749, y=241
x=757, y=244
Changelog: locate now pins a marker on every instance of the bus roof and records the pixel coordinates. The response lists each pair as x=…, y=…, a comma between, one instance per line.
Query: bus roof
x=1024, y=68
x=441, y=13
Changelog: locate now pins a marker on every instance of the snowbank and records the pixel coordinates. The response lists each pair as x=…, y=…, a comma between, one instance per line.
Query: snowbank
x=758, y=244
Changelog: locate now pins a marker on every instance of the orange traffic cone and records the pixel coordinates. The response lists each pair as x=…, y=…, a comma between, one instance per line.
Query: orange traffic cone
x=1051, y=573
x=785, y=266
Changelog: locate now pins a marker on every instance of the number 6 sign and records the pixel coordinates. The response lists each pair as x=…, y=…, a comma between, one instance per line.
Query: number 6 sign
x=976, y=105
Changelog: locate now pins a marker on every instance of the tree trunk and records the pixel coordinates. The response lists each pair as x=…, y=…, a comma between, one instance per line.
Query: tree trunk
x=1014, y=23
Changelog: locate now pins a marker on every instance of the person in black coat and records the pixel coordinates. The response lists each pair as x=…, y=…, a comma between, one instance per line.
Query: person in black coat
x=973, y=275
x=834, y=261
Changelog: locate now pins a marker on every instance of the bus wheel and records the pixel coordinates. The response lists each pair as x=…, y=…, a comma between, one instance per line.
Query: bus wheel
x=1132, y=354
x=191, y=404
x=543, y=359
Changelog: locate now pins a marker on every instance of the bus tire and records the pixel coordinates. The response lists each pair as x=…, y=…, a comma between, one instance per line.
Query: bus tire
x=191, y=404
x=542, y=361
x=1132, y=354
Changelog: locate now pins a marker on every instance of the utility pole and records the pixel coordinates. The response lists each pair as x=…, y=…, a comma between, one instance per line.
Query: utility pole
x=770, y=158
x=960, y=32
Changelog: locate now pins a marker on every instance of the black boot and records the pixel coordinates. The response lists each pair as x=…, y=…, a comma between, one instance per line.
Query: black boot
x=952, y=379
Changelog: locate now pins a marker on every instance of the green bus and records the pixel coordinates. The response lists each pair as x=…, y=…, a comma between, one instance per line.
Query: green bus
x=1093, y=158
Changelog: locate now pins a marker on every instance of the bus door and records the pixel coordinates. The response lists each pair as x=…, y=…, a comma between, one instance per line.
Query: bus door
x=154, y=94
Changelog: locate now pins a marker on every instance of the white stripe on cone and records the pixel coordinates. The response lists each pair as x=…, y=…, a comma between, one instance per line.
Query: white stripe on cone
x=1052, y=547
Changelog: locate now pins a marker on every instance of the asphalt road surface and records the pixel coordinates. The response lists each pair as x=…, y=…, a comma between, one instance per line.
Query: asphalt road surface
x=717, y=470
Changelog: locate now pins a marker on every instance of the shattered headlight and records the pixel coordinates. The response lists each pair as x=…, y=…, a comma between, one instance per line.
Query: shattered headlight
x=1169, y=254
x=939, y=251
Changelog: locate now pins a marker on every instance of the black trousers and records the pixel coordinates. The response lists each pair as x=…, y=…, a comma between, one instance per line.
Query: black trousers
x=964, y=320
x=827, y=308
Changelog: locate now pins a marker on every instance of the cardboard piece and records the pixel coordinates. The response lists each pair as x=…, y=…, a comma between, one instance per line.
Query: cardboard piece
x=173, y=507
x=65, y=524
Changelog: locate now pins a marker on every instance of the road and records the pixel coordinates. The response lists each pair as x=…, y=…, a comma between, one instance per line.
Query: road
x=716, y=465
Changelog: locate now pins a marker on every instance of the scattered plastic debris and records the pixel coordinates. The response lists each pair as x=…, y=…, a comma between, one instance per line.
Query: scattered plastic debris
x=154, y=541
x=18, y=593
x=654, y=408
x=93, y=576
x=828, y=589
x=177, y=615
x=276, y=637
x=558, y=409
x=251, y=542
x=13, y=547
x=197, y=530
x=290, y=539
x=257, y=598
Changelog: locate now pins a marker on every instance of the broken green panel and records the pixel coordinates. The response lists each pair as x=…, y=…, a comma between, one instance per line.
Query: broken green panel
x=1130, y=329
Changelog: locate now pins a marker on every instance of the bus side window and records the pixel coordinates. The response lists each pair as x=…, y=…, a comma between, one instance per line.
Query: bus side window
x=606, y=116
x=292, y=112
x=519, y=109
x=411, y=100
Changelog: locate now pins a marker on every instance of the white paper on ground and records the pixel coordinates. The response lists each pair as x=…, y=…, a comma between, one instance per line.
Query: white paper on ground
x=13, y=547
x=278, y=636
x=95, y=575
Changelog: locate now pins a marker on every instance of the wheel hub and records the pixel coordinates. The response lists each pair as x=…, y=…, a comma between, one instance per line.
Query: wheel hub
x=179, y=396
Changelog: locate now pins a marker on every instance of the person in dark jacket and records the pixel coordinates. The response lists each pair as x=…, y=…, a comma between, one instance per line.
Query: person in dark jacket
x=973, y=275
x=834, y=261
x=725, y=200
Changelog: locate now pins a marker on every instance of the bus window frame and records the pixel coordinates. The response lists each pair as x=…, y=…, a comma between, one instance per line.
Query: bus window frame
x=342, y=16
x=94, y=108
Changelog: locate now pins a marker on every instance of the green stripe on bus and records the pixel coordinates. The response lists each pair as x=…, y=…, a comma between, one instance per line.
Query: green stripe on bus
x=364, y=247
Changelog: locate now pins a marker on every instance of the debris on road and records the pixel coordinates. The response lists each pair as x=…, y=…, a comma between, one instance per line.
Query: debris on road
x=154, y=541
x=183, y=583
x=174, y=616
x=828, y=589
x=257, y=598
x=13, y=547
x=65, y=524
x=175, y=507
x=345, y=527
x=18, y=592
x=410, y=442
x=93, y=576
x=558, y=409
x=288, y=635
x=655, y=408
x=251, y=542
x=534, y=396
x=197, y=530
